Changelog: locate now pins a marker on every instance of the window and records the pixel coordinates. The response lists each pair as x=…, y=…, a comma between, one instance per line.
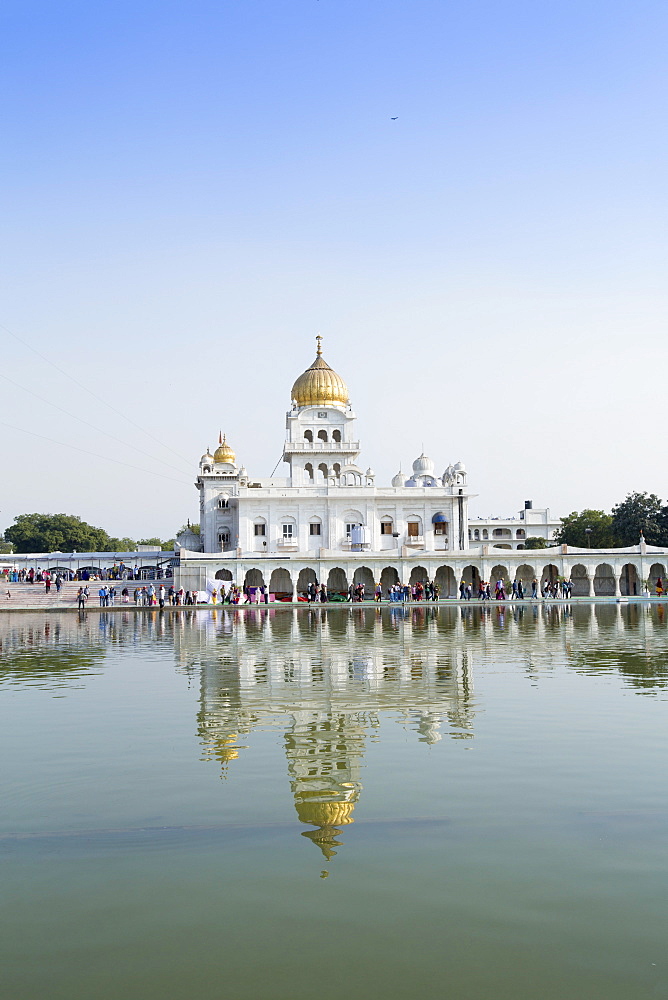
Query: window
x=288, y=530
x=308, y=436
x=484, y=533
x=413, y=529
x=224, y=538
x=441, y=528
x=386, y=527
x=314, y=529
x=223, y=502
x=349, y=529
x=519, y=533
x=322, y=435
x=476, y=534
x=322, y=414
x=336, y=436
x=260, y=529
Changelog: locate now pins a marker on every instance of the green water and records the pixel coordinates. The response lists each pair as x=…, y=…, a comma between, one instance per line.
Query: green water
x=341, y=803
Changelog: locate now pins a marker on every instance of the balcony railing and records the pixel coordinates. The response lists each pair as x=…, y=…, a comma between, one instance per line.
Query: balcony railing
x=287, y=543
x=343, y=446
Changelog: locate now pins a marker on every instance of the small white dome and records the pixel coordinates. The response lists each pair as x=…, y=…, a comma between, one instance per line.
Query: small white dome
x=460, y=467
x=399, y=479
x=370, y=473
x=423, y=466
x=207, y=458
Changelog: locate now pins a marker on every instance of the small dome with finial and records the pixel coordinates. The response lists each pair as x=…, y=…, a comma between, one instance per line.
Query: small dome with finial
x=223, y=452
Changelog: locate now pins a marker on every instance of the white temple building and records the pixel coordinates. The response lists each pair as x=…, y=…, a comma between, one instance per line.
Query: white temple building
x=328, y=520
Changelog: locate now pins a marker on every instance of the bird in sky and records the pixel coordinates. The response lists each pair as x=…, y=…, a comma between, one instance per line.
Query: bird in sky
x=394, y=119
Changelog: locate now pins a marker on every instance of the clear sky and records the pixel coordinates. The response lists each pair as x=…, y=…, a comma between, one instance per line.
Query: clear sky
x=191, y=191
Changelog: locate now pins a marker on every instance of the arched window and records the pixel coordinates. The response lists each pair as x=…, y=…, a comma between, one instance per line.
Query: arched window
x=336, y=469
x=259, y=527
x=308, y=469
x=223, y=538
x=414, y=527
x=484, y=534
x=308, y=436
x=476, y=534
x=386, y=526
x=223, y=503
x=520, y=533
x=336, y=436
x=322, y=435
x=323, y=468
x=288, y=529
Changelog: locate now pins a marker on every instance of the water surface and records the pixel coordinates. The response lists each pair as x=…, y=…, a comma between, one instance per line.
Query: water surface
x=277, y=803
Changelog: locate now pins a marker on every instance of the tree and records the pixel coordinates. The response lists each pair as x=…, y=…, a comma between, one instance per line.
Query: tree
x=573, y=530
x=158, y=543
x=639, y=512
x=57, y=532
x=534, y=542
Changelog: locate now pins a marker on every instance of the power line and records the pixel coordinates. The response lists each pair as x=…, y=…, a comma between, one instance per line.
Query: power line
x=90, y=392
x=106, y=458
x=81, y=419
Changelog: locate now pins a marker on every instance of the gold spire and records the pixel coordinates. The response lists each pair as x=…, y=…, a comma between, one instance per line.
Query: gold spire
x=223, y=452
x=319, y=384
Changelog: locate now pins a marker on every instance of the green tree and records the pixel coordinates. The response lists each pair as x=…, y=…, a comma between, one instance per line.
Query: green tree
x=56, y=532
x=158, y=543
x=573, y=530
x=534, y=542
x=639, y=512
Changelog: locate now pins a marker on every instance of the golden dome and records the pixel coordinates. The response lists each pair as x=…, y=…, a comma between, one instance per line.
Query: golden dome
x=319, y=385
x=326, y=813
x=223, y=452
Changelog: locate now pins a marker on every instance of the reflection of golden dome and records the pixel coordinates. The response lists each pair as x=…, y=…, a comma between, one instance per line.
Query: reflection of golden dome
x=319, y=385
x=325, y=813
x=224, y=453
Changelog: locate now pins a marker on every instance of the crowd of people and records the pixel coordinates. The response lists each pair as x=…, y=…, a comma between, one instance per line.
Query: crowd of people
x=115, y=572
x=558, y=589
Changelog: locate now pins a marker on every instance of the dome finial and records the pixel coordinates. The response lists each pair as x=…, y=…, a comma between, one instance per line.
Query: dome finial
x=319, y=348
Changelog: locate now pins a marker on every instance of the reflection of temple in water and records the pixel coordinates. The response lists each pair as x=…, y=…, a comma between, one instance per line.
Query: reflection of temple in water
x=323, y=679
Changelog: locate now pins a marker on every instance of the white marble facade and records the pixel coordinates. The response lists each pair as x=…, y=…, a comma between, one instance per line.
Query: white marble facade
x=328, y=520
x=327, y=501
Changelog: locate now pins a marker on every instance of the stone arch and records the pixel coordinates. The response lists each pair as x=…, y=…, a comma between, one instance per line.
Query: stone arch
x=579, y=581
x=629, y=582
x=656, y=571
x=520, y=533
x=364, y=575
x=224, y=574
x=550, y=574
x=322, y=435
x=336, y=436
x=604, y=580
x=498, y=573
x=336, y=468
x=308, y=436
x=445, y=581
x=323, y=468
x=471, y=576
x=308, y=469
x=306, y=576
x=280, y=583
x=254, y=578
x=527, y=575
x=418, y=575
x=337, y=581
x=388, y=577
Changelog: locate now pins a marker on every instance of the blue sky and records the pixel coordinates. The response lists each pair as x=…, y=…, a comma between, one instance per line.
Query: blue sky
x=192, y=191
